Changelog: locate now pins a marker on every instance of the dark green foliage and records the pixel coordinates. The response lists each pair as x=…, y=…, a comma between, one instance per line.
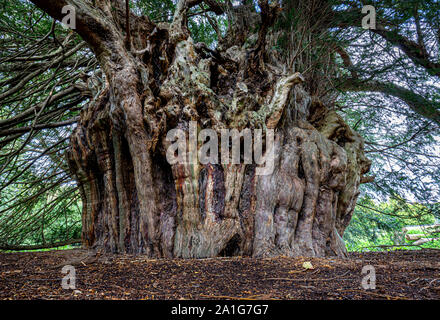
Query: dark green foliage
x=380, y=224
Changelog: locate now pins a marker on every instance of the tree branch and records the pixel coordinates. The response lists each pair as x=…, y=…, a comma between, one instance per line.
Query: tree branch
x=91, y=24
x=38, y=127
x=417, y=103
x=413, y=50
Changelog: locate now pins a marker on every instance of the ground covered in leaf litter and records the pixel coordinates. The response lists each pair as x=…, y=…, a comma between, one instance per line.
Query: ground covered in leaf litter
x=399, y=275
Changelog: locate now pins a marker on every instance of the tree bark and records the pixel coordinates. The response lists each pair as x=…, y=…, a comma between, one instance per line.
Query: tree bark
x=135, y=201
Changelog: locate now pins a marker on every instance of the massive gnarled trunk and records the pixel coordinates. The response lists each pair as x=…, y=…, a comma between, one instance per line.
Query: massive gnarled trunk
x=157, y=79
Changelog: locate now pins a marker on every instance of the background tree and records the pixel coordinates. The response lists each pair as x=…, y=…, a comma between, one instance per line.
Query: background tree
x=136, y=80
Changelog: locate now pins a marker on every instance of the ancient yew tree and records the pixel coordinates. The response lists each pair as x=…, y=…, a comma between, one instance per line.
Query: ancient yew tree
x=154, y=77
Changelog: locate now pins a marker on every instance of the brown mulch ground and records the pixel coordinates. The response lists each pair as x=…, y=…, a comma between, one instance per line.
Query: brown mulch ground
x=400, y=275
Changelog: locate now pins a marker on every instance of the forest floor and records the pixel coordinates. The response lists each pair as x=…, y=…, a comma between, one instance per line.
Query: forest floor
x=399, y=275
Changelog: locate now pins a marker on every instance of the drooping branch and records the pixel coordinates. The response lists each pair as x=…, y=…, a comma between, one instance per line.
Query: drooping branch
x=6, y=123
x=89, y=21
x=13, y=131
x=428, y=109
x=38, y=72
x=94, y=22
x=416, y=51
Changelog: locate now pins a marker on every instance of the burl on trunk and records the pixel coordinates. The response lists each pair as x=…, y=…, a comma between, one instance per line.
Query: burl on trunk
x=135, y=201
